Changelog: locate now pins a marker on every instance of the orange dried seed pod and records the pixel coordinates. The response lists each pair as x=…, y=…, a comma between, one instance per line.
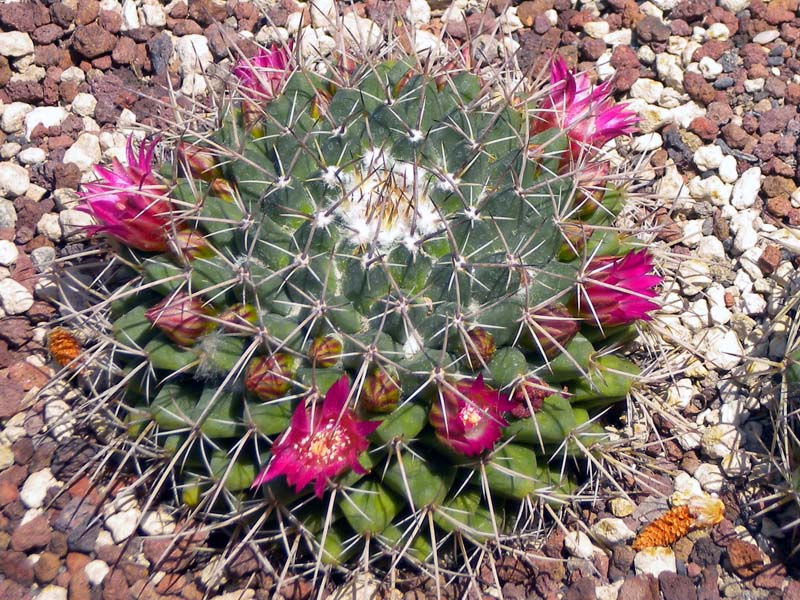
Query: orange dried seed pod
x=666, y=529
x=63, y=346
x=698, y=512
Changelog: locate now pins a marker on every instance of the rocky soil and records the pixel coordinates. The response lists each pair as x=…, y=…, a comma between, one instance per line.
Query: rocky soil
x=717, y=87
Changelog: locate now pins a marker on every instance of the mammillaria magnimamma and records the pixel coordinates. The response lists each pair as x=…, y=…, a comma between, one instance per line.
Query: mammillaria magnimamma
x=388, y=318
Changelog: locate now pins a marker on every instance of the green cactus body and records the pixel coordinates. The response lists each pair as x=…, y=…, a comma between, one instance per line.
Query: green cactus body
x=403, y=238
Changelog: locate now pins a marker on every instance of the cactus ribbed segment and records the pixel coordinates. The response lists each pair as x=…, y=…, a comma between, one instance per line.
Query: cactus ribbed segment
x=400, y=242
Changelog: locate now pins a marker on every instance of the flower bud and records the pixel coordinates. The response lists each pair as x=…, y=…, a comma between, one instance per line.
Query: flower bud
x=575, y=237
x=480, y=347
x=238, y=316
x=200, y=161
x=325, y=351
x=181, y=317
x=529, y=396
x=381, y=392
x=191, y=244
x=548, y=330
x=270, y=377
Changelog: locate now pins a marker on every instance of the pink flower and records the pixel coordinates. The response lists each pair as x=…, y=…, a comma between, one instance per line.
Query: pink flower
x=617, y=291
x=468, y=417
x=262, y=76
x=321, y=443
x=129, y=203
x=587, y=114
x=181, y=317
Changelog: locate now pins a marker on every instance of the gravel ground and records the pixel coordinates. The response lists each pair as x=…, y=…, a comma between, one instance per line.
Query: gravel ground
x=717, y=87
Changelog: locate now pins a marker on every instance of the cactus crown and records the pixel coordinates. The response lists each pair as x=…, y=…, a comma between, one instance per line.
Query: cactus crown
x=370, y=301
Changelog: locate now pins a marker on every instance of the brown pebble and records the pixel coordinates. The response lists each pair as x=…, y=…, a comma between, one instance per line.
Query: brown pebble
x=46, y=568
x=779, y=206
x=746, y=559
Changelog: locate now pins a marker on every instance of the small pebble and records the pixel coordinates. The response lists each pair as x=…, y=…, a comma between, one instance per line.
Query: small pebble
x=8, y=253
x=35, y=488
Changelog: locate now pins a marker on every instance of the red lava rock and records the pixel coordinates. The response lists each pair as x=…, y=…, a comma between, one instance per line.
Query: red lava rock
x=79, y=587
x=779, y=207
x=58, y=544
x=676, y=587
x=652, y=29
x=12, y=399
x=786, y=144
x=776, y=166
x=770, y=259
x=625, y=78
x=207, y=12
x=46, y=568
x=92, y=41
x=624, y=57
x=698, y=88
x=62, y=14
x=692, y=10
x=746, y=559
x=110, y=21
x=76, y=561
x=704, y=128
x=47, y=34
x=719, y=112
x=641, y=587
x=8, y=493
x=178, y=554
x=32, y=534
x=711, y=48
x=87, y=11
x=772, y=577
x=124, y=52
x=31, y=92
x=19, y=16
x=776, y=119
x=134, y=572
x=15, y=330
x=775, y=185
x=17, y=567
x=10, y=590
x=792, y=94
x=736, y=136
x=115, y=586
x=27, y=375
x=583, y=589
x=792, y=590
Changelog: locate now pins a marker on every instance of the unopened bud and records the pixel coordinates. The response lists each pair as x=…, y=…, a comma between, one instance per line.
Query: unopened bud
x=529, y=396
x=325, y=351
x=181, y=317
x=200, y=161
x=381, y=392
x=548, y=330
x=575, y=236
x=238, y=316
x=270, y=377
x=191, y=244
x=480, y=347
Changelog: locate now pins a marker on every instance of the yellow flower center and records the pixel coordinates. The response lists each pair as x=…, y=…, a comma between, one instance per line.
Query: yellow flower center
x=470, y=416
x=325, y=446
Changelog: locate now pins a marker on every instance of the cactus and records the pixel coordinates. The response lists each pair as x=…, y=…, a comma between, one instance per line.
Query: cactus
x=371, y=307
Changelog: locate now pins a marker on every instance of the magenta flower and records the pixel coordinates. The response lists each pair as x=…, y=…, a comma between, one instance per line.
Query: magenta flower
x=262, y=76
x=321, y=443
x=468, y=416
x=181, y=317
x=618, y=291
x=129, y=203
x=588, y=114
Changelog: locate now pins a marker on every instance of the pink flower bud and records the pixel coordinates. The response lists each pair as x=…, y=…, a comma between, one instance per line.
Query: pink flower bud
x=181, y=317
x=270, y=377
